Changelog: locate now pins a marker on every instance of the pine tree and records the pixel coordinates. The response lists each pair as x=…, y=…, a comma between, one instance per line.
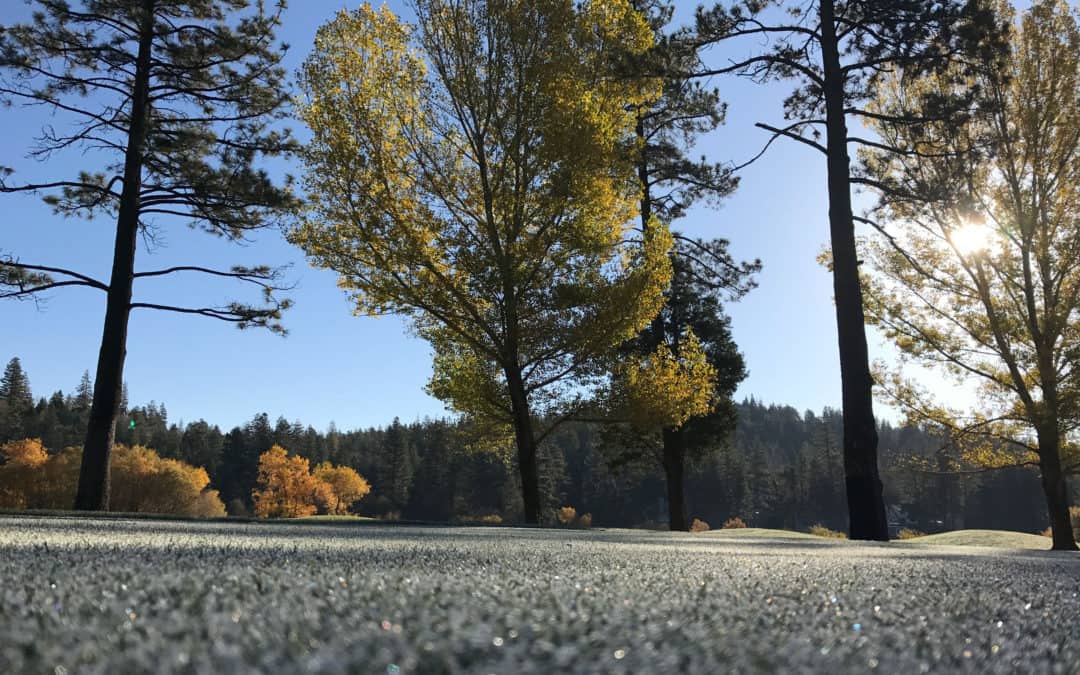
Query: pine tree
x=17, y=401
x=84, y=393
x=180, y=96
x=703, y=270
x=401, y=460
x=839, y=52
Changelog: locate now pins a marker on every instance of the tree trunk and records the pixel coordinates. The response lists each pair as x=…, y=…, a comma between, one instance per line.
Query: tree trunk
x=674, y=469
x=866, y=505
x=528, y=465
x=93, y=492
x=1056, y=491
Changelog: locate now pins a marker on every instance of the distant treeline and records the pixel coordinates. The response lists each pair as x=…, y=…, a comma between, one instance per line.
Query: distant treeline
x=781, y=468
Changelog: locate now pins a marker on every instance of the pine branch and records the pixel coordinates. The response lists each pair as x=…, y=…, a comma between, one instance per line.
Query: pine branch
x=793, y=136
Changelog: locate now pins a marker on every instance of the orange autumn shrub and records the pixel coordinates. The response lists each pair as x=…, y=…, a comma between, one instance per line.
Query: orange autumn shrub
x=141, y=481
x=566, y=515
x=29, y=453
x=288, y=488
x=699, y=525
x=144, y=482
x=819, y=530
x=735, y=523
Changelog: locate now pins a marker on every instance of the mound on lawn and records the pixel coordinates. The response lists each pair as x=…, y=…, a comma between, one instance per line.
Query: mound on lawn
x=989, y=538
x=761, y=532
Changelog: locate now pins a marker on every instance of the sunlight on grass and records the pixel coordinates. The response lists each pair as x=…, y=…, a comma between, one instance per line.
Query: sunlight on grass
x=991, y=538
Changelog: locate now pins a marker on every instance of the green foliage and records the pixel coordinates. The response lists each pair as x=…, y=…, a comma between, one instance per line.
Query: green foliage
x=473, y=175
x=434, y=222
x=214, y=93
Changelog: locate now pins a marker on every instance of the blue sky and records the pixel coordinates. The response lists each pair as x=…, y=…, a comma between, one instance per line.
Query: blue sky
x=359, y=371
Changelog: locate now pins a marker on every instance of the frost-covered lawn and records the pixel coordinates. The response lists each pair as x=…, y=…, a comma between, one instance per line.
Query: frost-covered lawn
x=122, y=596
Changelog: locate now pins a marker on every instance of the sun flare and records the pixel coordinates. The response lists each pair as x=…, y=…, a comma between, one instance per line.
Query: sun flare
x=971, y=238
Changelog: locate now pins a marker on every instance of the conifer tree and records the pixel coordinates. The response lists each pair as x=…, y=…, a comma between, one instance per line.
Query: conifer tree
x=838, y=52
x=181, y=96
x=670, y=183
x=16, y=400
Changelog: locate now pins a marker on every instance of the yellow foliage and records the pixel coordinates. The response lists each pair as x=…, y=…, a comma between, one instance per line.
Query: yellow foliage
x=979, y=277
x=29, y=453
x=143, y=482
x=346, y=487
x=665, y=390
x=140, y=482
x=698, y=525
x=822, y=531
x=508, y=242
x=286, y=488
x=566, y=515
x=585, y=521
x=907, y=533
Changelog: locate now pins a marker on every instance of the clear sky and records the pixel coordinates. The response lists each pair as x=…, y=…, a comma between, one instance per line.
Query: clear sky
x=359, y=371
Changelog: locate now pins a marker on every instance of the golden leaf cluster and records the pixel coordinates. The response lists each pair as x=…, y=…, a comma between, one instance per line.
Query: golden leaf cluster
x=288, y=488
x=141, y=481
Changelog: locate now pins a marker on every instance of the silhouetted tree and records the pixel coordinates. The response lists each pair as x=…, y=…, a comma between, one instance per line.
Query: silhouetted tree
x=839, y=51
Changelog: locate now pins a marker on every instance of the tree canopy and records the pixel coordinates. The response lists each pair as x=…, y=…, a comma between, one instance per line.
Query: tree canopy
x=474, y=174
x=978, y=274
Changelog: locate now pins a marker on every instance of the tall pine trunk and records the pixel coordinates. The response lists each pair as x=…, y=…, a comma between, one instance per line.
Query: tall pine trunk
x=1055, y=489
x=866, y=505
x=93, y=492
x=674, y=475
x=673, y=458
x=528, y=464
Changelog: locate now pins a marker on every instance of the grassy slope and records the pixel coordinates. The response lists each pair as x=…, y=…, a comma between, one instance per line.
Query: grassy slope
x=762, y=532
x=992, y=538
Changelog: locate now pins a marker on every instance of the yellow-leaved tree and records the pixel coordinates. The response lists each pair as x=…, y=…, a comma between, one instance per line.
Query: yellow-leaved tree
x=142, y=481
x=288, y=488
x=979, y=274
x=475, y=173
x=346, y=487
x=29, y=453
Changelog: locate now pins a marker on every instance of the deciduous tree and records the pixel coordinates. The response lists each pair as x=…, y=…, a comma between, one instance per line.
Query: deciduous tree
x=180, y=96
x=346, y=486
x=979, y=275
x=286, y=488
x=475, y=175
